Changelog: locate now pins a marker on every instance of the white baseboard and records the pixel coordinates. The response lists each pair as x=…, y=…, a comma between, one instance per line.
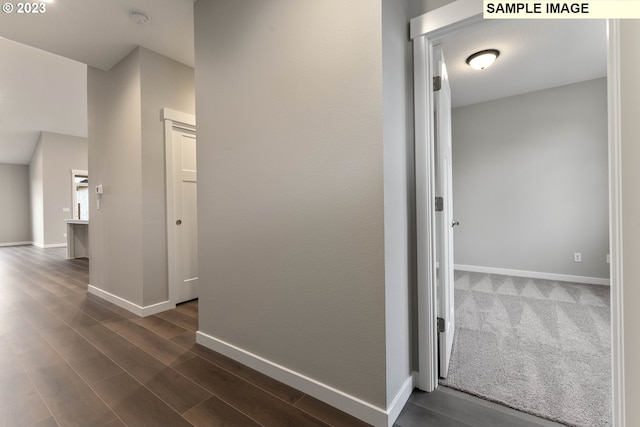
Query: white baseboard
x=51, y=245
x=128, y=305
x=14, y=244
x=336, y=398
x=55, y=245
x=534, y=274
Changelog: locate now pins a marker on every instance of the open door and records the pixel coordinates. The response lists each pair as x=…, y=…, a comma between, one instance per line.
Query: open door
x=444, y=211
x=435, y=292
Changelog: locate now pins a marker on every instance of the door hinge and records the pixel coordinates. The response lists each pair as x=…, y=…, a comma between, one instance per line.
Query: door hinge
x=439, y=204
x=440, y=324
x=437, y=83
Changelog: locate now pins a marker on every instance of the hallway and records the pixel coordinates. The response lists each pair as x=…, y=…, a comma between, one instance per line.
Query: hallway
x=68, y=358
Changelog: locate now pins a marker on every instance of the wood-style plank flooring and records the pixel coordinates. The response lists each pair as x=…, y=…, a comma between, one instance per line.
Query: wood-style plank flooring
x=68, y=358
x=446, y=407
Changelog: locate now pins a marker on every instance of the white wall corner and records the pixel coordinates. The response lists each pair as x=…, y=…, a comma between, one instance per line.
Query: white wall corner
x=128, y=305
x=394, y=409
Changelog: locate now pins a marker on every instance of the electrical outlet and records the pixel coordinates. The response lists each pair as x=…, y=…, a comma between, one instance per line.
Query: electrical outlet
x=577, y=257
x=608, y=259
x=64, y=234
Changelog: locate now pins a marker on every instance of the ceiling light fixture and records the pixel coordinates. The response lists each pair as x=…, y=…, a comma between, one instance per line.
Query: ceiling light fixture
x=140, y=18
x=483, y=59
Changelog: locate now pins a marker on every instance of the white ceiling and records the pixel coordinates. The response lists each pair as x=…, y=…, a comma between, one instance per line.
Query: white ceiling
x=101, y=32
x=534, y=55
x=40, y=91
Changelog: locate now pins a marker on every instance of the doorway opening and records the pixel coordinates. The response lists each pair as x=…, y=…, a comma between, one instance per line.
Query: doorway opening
x=530, y=190
x=80, y=194
x=182, y=216
x=426, y=34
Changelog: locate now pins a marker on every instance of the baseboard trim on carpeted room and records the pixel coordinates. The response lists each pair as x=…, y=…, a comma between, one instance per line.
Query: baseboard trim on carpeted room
x=539, y=346
x=534, y=275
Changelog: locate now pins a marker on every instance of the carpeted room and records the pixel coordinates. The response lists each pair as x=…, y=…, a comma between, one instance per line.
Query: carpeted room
x=532, y=303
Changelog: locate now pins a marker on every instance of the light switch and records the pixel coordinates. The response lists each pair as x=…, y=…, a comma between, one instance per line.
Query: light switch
x=66, y=209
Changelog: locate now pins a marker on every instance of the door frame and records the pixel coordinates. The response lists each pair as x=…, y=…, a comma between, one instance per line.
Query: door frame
x=425, y=30
x=173, y=120
x=74, y=197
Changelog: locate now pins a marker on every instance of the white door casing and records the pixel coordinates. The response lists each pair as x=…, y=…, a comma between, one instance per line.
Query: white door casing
x=181, y=183
x=427, y=375
x=444, y=218
x=425, y=30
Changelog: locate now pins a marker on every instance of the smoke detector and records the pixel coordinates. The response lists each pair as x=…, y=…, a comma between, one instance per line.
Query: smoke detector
x=140, y=18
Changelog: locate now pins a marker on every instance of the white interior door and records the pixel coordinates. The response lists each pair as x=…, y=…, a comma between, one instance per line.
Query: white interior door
x=185, y=215
x=444, y=215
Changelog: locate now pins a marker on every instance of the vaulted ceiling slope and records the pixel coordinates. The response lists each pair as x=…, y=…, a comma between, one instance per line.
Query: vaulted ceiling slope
x=100, y=33
x=43, y=84
x=44, y=89
x=39, y=91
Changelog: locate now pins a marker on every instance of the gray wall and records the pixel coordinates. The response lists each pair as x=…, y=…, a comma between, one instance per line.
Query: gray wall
x=115, y=158
x=418, y=7
x=630, y=111
x=15, y=215
x=399, y=230
x=290, y=176
x=36, y=185
x=164, y=83
x=126, y=156
x=530, y=181
x=51, y=191
x=62, y=153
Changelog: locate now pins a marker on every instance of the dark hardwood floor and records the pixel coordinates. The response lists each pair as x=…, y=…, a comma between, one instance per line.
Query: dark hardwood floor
x=446, y=407
x=68, y=358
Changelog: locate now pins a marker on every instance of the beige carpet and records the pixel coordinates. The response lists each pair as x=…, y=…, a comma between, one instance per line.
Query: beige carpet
x=539, y=346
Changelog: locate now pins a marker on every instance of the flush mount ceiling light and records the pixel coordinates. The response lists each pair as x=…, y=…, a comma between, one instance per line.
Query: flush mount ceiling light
x=483, y=59
x=140, y=18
